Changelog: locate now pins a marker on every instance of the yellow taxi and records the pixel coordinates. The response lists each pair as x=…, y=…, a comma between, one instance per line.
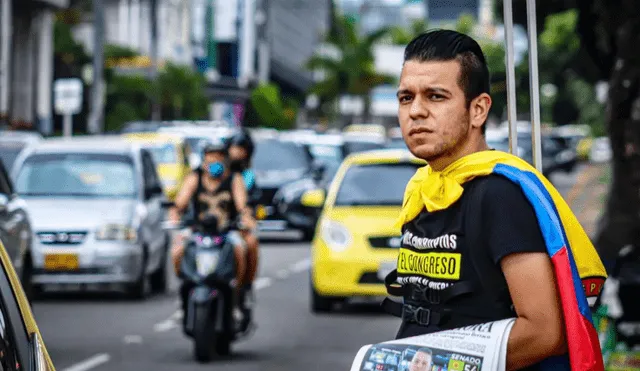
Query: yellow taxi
x=171, y=154
x=22, y=344
x=356, y=245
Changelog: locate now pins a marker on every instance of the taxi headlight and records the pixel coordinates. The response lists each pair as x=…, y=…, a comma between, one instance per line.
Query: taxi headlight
x=169, y=183
x=336, y=235
x=116, y=232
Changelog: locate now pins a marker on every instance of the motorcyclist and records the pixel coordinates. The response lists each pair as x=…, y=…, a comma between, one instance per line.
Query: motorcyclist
x=213, y=190
x=240, y=149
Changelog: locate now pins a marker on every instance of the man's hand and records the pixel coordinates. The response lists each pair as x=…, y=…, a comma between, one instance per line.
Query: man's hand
x=538, y=332
x=177, y=251
x=248, y=222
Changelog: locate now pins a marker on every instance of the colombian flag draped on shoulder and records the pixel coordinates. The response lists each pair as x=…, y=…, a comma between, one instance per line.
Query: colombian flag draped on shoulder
x=579, y=271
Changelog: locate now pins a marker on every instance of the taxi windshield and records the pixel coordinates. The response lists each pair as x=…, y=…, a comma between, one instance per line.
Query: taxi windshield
x=89, y=175
x=375, y=185
x=164, y=153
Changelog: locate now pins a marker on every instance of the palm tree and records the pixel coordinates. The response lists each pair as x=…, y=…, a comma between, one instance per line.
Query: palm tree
x=404, y=35
x=353, y=71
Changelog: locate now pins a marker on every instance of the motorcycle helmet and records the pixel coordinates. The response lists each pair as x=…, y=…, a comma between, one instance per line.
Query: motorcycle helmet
x=242, y=139
x=215, y=146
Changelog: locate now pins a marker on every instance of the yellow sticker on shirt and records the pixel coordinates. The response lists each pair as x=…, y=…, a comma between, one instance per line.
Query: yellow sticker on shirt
x=438, y=265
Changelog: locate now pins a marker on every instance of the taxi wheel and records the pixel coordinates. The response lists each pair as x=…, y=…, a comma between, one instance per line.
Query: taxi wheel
x=307, y=235
x=30, y=289
x=160, y=278
x=138, y=290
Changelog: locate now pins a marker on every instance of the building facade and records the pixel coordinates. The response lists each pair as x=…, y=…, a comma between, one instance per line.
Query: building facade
x=26, y=62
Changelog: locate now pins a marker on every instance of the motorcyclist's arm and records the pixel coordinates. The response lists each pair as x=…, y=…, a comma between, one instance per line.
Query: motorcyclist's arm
x=538, y=332
x=240, y=196
x=183, y=197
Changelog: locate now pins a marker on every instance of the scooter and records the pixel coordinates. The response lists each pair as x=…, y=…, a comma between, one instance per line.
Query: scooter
x=208, y=268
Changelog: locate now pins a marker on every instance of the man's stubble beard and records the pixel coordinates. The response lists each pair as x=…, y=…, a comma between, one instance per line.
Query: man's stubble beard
x=448, y=149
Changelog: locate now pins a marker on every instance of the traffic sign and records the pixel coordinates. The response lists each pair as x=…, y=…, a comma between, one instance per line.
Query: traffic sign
x=67, y=96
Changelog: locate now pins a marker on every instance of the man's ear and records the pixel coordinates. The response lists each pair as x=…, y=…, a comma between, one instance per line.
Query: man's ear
x=479, y=110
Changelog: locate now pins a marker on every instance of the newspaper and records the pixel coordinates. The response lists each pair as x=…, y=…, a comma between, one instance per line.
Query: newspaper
x=473, y=348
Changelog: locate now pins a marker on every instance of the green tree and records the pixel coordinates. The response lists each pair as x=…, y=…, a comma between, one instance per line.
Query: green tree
x=353, y=72
x=610, y=34
x=400, y=35
x=272, y=110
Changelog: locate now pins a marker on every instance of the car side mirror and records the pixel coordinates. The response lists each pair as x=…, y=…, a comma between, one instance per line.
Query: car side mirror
x=319, y=169
x=153, y=190
x=167, y=204
x=4, y=203
x=313, y=198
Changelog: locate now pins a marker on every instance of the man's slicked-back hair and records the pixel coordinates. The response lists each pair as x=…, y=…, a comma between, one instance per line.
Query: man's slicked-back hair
x=448, y=45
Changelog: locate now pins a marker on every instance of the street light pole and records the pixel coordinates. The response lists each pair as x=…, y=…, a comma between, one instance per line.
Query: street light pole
x=153, y=73
x=95, y=118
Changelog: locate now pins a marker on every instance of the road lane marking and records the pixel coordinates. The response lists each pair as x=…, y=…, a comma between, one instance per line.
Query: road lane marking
x=132, y=339
x=262, y=283
x=90, y=363
x=301, y=266
x=282, y=274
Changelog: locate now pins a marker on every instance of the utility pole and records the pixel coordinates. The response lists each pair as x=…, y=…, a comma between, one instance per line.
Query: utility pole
x=264, y=57
x=95, y=124
x=5, y=57
x=153, y=73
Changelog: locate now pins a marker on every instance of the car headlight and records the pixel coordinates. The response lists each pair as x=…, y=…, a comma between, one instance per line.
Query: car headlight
x=565, y=156
x=169, y=183
x=335, y=235
x=116, y=232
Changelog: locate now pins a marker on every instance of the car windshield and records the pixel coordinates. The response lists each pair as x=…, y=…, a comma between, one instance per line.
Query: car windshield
x=164, y=153
x=375, y=185
x=9, y=151
x=81, y=174
x=273, y=155
x=326, y=153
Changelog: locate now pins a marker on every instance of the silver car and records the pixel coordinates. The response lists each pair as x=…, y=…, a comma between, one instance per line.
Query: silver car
x=96, y=206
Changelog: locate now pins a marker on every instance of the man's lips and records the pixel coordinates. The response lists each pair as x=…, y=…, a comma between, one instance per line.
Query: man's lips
x=419, y=130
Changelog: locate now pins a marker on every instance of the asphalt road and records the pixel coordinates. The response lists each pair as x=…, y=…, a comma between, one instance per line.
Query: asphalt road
x=106, y=332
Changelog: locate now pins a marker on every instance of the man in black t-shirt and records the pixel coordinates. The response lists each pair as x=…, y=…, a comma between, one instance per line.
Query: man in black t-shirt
x=484, y=257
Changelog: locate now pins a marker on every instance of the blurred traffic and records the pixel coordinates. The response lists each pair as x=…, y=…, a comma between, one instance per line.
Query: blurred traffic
x=89, y=209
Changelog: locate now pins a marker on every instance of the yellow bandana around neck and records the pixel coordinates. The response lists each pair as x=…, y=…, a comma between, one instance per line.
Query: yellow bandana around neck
x=437, y=190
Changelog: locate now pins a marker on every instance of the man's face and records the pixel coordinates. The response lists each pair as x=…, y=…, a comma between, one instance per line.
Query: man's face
x=211, y=158
x=237, y=153
x=433, y=114
x=420, y=362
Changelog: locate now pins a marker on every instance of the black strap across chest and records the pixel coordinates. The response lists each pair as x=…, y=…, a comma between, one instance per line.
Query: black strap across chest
x=426, y=306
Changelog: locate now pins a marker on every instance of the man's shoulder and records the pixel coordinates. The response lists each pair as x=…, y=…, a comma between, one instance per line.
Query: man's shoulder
x=497, y=188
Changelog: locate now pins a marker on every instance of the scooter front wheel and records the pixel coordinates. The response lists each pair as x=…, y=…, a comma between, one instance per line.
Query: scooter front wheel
x=204, y=335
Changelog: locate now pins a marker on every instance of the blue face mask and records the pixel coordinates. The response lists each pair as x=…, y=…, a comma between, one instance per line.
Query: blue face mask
x=216, y=169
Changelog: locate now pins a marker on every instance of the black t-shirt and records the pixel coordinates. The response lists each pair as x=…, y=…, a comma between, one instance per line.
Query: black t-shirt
x=218, y=203
x=461, y=244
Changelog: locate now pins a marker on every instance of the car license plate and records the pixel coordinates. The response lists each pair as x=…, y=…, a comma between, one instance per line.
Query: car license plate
x=385, y=269
x=61, y=262
x=272, y=225
x=261, y=212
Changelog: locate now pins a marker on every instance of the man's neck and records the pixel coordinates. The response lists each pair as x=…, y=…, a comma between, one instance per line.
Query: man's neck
x=469, y=148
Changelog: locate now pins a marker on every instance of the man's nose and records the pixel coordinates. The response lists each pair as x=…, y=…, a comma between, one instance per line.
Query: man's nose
x=418, y=109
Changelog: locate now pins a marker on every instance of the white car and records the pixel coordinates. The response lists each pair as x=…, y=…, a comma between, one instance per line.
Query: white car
x=600, y=150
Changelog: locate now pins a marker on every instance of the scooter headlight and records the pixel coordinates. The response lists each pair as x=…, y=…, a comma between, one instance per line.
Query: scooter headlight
x=206, y=262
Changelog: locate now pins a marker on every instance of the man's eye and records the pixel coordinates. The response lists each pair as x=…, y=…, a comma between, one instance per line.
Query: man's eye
x=404, y=99
x=436, y=97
